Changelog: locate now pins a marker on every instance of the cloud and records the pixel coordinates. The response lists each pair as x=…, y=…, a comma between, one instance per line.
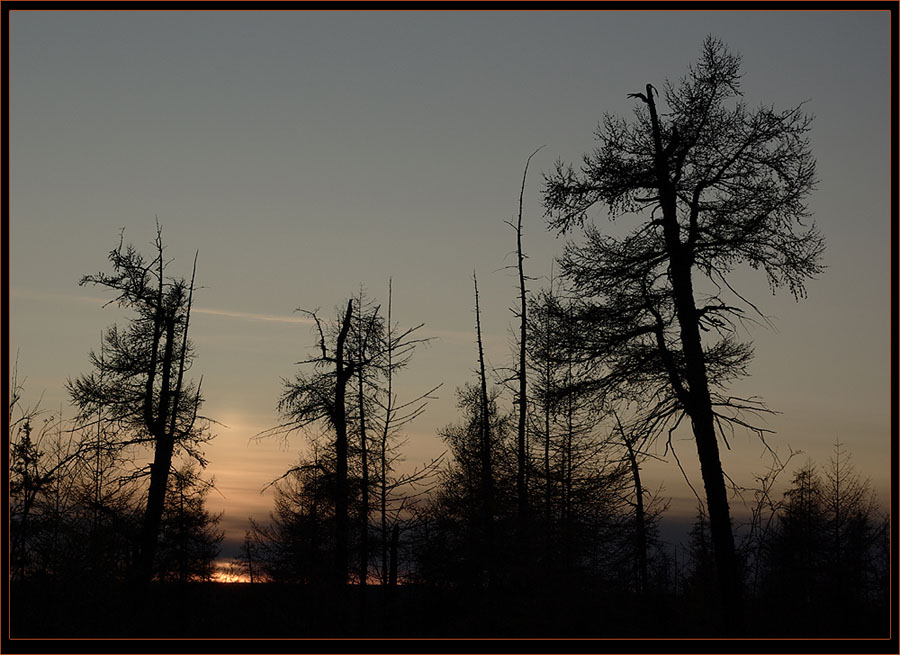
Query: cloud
x=250, y=316
x=54, y=297
x=42, y=296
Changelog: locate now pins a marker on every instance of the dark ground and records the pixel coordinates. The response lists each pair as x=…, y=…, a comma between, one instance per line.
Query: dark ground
x=270, y=611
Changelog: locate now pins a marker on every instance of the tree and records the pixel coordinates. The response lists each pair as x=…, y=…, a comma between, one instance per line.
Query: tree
x=396, y=495
x=366, y=336
x=522, y=462
x=42, y=460
x=794, y=555
x=717, y=185
x=698, y=586
x=486, y=455
x=297, y=544
x=72, y=507
x=309, y=399
x=457, y=522
x=820, y=562
x=349, y=393
x=640, y=517
x=139, y=381
x=851, y=525
x=189, y=534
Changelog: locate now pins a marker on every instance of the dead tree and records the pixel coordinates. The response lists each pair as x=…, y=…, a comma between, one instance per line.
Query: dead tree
x=487, y=474
x=522, y=371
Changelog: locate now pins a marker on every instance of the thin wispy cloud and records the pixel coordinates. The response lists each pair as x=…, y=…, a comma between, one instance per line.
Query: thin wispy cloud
x=251, y=316
x=26, y=294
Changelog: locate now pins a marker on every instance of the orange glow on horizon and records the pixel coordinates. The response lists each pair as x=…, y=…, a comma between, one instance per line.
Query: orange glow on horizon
x=225, y=573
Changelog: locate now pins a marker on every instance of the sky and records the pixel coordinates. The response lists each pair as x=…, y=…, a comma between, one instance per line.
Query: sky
x=306, y=153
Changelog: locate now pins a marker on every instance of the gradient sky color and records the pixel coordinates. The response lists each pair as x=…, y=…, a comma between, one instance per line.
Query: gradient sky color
x=307, y=152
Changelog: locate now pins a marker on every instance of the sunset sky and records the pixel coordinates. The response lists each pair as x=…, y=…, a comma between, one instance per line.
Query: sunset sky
x=304, y=153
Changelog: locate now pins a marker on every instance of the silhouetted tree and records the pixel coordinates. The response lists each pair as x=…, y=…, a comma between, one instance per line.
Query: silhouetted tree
x=366, y=337
x=719, y=185
x=640, y=516
x=297, y=543
x=521, y=398
x=851, y=524
x=245, y=566
x=189, y=536
x=698, y=586
x=349, y=393
x=43, y=498
x=73, y=508
x=452, y=534
x=819, y=562
x=309, y=399
x=486, y=455
x=397, y=494
x=139, y=381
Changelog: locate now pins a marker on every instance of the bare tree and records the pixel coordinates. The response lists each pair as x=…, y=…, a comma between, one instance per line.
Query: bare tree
x=719, y=185
x=487, y=475
x=630, y=441
x=397, y=494
x=522, y=463
x=350, y=393
x=310, y=399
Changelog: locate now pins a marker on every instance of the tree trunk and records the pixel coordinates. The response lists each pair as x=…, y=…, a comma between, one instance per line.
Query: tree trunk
x=385, y=433
x=521, y=455
x=639, y=521
x=364, y=511
x=698, y=404
x=395, y=542
x=339, y=418
x=487, y=476
x=162, y=461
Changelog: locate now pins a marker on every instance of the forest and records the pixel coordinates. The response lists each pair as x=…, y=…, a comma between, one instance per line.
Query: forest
x=536, y=521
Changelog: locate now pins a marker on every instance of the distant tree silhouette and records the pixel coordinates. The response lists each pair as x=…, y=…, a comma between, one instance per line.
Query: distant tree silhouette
x=28, y=475
x=795, y=555
x=366, y=337
x=452, y=548
x=486, y=455
x=309, y=399
x=296, y=544
x=43, y=496
x=397, y=494
x=76, y=511
x=642, y=516
x=189, y=536
x=139, y=383
x=820, y=563
x=719, y=185
x=582, y=453
x=522, y=460
x=349, y=393
x=246, y=560
x=698, y=584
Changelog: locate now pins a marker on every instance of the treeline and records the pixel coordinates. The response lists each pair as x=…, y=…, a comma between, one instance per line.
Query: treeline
x=539, y=518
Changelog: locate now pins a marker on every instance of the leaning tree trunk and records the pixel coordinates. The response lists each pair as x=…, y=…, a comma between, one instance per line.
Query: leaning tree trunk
x=521, y=455
x=159, y=470
x=163, y=424
x=364, y=509
x=640, y=524
x=339, y=419
x=487, y=475
x=697, y=400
